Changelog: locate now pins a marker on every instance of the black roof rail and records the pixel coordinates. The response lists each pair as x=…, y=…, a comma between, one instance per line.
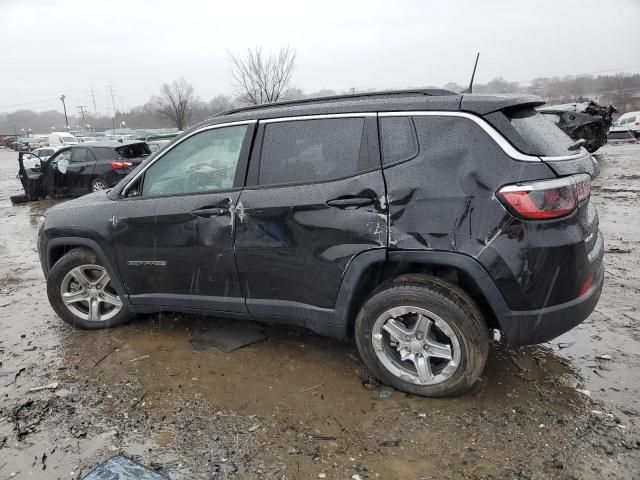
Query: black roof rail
x=434, y=92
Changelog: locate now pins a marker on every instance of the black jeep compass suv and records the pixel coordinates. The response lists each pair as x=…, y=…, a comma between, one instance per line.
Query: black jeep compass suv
x=415, y=221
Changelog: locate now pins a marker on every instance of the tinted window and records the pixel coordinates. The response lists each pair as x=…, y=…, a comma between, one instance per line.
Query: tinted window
x=313, y=150
x=79, y=155
x=542, y=135
x=204, y=162
x=398, y=139
x=105, y=153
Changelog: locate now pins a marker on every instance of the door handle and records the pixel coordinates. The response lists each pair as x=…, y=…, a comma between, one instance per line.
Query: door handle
x=350, y=202
x=208, y=212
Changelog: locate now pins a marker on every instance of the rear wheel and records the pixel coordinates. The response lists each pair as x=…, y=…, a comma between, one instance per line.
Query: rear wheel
x=98, y=184
x=424, y=336
x=82, y=293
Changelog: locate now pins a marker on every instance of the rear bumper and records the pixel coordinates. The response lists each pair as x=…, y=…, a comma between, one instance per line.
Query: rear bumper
x=538, y=326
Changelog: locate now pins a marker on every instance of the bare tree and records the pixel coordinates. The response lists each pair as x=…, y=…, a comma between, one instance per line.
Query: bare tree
x=260, y=78
x=175, y=102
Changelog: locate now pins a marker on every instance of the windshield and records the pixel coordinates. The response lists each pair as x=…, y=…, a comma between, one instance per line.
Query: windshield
x=67, y=139
x=539, y=131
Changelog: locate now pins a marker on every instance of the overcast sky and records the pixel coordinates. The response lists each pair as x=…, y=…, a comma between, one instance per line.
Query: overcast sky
x=55, y=47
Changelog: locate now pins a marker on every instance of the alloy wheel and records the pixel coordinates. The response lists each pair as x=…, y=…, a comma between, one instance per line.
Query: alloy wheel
x=98, y=185
x=88, y=294
x=416, y=345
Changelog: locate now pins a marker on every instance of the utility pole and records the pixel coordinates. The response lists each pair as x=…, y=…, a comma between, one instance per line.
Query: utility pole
x=93, y=97
x=84, y=120
x=66, y=120
x=113, y=102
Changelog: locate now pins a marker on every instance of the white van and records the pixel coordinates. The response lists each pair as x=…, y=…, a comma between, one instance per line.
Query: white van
x=57, y=139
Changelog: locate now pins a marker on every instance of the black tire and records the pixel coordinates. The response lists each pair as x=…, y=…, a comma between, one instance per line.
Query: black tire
x=447, y=301
x=98, y=182
x=15, y=199
x=72, y=259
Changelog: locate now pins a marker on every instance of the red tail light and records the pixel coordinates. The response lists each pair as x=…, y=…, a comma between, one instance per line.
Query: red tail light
x=120, y=165
x=546, y=199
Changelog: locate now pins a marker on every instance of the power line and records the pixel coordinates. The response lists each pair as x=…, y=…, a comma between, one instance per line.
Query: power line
x=55, y=99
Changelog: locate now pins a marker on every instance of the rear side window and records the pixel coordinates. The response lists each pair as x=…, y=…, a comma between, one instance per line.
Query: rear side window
x=105, y=153
x=398, y=138
x=542, y=135
x=79, y=155
x=313, y=150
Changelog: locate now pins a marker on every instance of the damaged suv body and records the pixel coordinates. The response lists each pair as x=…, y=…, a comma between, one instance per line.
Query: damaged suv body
x=414, y=221
x=586, y=121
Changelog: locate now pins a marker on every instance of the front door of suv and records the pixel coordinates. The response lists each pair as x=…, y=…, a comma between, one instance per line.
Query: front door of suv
x=173, y=235
x=314, y=200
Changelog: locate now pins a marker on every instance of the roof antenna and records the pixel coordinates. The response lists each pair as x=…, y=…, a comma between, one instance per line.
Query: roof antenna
x=473, y=75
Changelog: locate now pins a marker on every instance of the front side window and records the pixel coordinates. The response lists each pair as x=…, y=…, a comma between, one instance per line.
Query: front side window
x=205, y=162
x=313, y=150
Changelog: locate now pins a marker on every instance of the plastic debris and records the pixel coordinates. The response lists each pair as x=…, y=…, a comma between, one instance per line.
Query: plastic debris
x=51, y=386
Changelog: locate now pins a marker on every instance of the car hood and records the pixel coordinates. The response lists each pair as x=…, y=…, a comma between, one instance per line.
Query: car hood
x=68, y=208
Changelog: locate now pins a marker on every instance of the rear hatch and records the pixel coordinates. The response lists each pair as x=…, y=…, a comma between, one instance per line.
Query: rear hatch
x=134, y=153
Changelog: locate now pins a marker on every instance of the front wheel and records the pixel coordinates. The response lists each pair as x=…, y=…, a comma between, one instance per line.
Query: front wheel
x=81, y=292
x=423, y=336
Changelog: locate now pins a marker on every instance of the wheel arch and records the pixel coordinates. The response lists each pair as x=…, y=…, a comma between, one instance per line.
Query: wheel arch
x=372, y=268
x=58, y=247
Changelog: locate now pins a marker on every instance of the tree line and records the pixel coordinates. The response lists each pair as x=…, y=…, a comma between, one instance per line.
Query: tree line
x=265, y=77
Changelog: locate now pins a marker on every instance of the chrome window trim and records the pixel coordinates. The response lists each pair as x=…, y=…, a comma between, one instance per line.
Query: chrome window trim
x=195, y=132
x=492, y=132
x=319, y=117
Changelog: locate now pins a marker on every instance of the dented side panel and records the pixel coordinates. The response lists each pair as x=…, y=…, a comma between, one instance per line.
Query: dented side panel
x=293, y=247
x=443, y=199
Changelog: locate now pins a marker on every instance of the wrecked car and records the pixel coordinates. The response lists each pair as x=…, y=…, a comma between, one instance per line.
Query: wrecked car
x=415, y=221
x=586, y=121
x=78, y=169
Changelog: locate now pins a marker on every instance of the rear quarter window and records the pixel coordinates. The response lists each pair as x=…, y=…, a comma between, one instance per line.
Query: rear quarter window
x=398, y=138
x=540, y=133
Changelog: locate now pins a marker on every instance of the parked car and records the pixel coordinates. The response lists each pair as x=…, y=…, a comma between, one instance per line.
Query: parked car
x=43, y=154
x=86, y=139
x=627, y=121
x=9, y=141
x=415, y=221
x=156, y=145
x=61, y=139
x=77, y=170
x=618, y=136
x=22, y=145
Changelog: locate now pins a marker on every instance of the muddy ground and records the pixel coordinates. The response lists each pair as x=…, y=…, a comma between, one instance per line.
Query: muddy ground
x=299, y=406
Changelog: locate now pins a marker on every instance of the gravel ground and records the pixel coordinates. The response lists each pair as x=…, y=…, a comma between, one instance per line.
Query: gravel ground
x=297, y=405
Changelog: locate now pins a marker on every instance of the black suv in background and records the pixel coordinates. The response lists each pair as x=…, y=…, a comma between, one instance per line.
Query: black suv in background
x=415, y=221
x=78, y=169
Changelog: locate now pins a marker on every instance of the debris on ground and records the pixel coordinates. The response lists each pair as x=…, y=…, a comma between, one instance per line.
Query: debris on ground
x=123, y=468
x=50, y=386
